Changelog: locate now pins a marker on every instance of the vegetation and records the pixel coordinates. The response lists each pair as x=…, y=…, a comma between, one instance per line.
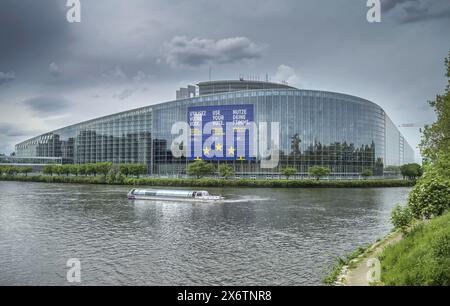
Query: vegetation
x=226, y=171
x=401, y=218
x=317, y=172
x=421, y=258
x=121, y=179
x=288, y=172
x=411, y=171
x=367, y=173
x=200, y=169
x=14, y=170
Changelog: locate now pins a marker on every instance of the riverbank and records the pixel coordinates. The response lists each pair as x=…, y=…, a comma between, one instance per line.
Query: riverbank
x=419, y=258
x=210, y=182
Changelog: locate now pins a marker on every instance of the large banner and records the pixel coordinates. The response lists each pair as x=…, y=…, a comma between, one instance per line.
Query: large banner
x=220, y=132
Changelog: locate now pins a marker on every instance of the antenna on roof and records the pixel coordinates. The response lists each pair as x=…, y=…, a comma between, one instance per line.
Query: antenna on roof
x=210, y=72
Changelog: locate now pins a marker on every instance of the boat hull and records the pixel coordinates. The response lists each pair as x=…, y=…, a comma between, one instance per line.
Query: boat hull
x=173, y=199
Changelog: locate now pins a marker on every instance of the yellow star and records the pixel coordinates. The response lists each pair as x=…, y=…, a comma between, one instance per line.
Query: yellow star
x=198, y=158
x=241, y=158
x=231, y=151
x=218, y=147
x=206, y=151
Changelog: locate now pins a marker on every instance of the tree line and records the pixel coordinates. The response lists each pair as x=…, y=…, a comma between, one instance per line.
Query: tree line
x=94, y=169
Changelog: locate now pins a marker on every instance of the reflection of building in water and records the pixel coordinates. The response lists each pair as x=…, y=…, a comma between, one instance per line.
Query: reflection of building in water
x=343, y=132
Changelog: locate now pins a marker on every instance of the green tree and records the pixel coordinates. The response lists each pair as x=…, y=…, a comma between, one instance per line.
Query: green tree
x=436, y=137
x=200, y=169
x=317, y=172
x=411, y=171
x=124, y=169
x=103, y=168
x=91, y=169
x=49, y=170
x=66, y=169
x=25, y=170
x=226, y=171
x=137, y=169
x=73, y=169
x=288, y=172
x=367, y=173
x=58, y=170
x=82, y=170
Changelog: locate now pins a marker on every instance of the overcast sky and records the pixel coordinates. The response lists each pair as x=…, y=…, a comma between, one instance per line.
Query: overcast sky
x=127, y=54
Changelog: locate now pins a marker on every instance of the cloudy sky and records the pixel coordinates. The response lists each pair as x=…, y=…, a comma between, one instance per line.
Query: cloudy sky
x=127, y=54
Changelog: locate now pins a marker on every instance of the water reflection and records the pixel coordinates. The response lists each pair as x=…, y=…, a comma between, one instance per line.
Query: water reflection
x=257, y=236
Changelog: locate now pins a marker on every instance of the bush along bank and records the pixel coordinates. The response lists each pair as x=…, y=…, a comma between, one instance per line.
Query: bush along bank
x=207, y=182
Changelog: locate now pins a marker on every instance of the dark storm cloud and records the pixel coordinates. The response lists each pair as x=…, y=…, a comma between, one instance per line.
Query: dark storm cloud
x=11, y=130
x=7, y=77
x=409, y=11
x=44, y=105
x=31, y=29
x=182, y=51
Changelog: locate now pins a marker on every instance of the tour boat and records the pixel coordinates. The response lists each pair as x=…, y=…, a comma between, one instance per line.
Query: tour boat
x=171, y=195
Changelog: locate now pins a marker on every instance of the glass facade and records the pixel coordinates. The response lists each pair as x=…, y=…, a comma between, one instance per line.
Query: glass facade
x=345, y=133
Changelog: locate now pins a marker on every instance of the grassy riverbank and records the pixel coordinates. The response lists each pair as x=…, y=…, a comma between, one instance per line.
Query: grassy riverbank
x=421, y=258
x=209, y=182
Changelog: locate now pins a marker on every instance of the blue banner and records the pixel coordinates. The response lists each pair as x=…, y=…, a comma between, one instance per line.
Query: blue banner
x=220, y=132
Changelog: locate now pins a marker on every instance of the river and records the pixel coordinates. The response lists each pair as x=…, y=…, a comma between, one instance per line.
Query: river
x=256, y=237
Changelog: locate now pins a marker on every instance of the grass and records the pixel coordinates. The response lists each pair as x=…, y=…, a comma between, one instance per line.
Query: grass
x=421, y=258
x=336, y=270
x=211, y=182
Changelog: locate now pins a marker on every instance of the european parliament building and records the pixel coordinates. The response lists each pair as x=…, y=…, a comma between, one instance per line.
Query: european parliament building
x=348, y=134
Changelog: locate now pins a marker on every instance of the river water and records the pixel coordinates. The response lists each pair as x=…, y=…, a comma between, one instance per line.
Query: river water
x=256, y=237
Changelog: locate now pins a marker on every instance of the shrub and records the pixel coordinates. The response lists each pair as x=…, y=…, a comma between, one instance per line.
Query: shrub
x=430, y=197
x=226, y=171
x=401, y=218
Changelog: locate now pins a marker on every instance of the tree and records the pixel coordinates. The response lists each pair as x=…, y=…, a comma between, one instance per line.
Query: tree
x=436, y=137
x=103, y=168
x=411, y=171
x=367, y=173
x=73, y=169
x=226, y=171
x=11, y=170
x=124, y=169
x=58, y=170
x=200, y=169
x=91, y=169
x=137, y=169
x=25, y=170
x=49, y=170
x=66, y=169
x=288, y=172
x=82, y=170
x=379, y=167
x=318, y=172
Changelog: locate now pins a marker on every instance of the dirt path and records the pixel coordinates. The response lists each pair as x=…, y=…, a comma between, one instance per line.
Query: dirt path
x=355, y=274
